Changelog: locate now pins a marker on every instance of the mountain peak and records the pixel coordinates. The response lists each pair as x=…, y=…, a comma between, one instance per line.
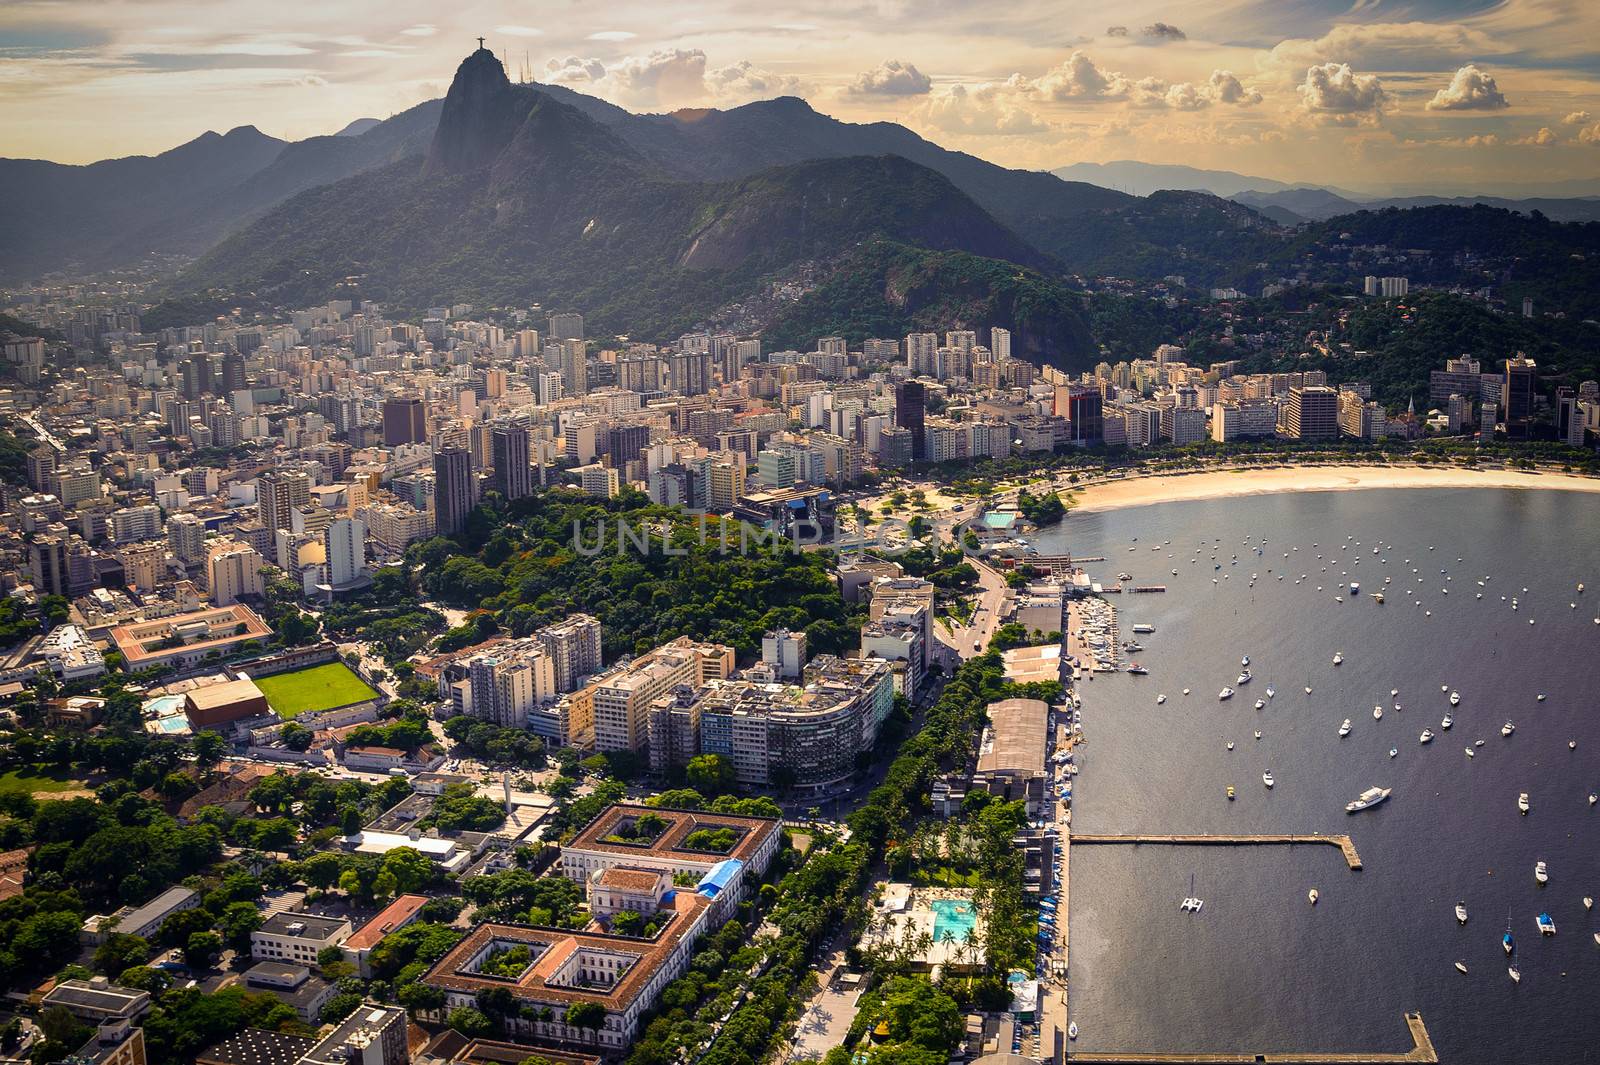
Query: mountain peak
x=479, y=117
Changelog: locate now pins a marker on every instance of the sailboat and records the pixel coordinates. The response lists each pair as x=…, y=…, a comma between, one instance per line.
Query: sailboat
x=1507, y=942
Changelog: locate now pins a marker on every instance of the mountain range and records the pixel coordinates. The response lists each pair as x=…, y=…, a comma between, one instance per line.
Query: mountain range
x=1292, y=204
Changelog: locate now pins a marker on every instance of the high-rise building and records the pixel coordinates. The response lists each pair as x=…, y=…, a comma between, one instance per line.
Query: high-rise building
x=344, y=544
x=1517, y=397
x=785, y=652
x=47, y=558
x=404, y=421
x=513, y=473
x=1085, y=412
x=142, y=566
x=505, y=687
x=625, y=442
x=278, y=493
x=566, y=326
x=1311, y=413
x=691, y=372
x=724, y=485
x=233, y=378
x=233, y=571
x=574, y=647
x=910, y=413
x=186, y=536
x=454, y=489
x=1000, y=343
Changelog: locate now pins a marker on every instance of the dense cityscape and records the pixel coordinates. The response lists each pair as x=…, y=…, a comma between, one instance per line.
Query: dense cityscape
x=699, y=676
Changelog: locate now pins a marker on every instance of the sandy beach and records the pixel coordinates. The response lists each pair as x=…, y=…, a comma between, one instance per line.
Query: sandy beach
x=1220, y=484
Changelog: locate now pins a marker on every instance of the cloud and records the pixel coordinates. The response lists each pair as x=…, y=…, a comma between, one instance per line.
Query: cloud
x=990, y=108
x=572, y=69
x=422, y=29
x=1078, y=78
x=1162, y=31
x=892, y=78
x=373, y=53
x=745, y=81
x=519, y=31
x=1590, y=134
x=1469, y=90
x=1575, y=118
x=1542, y=139
x=1382, y=46
x=1225, y=88
x=1335, y=94
x=612, y=35
x=1116, y=31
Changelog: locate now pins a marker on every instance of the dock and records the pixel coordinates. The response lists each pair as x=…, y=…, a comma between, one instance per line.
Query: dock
x=1346, y=846
x=1421, y=1051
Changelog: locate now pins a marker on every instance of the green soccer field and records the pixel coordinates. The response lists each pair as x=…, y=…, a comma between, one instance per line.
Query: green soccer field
x=318, y=688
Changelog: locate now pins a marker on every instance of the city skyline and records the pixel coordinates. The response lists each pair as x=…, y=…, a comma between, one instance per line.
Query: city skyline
x=1486, y=95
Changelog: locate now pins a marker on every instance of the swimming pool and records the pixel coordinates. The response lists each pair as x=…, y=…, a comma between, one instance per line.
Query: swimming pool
x=956, y=916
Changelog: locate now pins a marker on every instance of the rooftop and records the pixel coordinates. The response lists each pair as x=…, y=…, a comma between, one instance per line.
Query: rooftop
x=226, y=693
x=303, y=925
x=1015, y=739
x=680, y=823
x=257, y=1046
x=395, y=915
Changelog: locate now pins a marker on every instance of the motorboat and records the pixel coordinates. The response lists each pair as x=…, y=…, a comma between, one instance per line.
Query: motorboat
x=1313, y=896
x=1455, y=698
x=1160, y=699
x=1338, y=658
x=1477, y=743
x=1461, y=966
x=1258, y=734
x=1072, y=1030
x=1471, y=753
x=1230, y=745
x=1522, y=802
x=1377, y=597
x=1344, y=729
x=1230, y=793
x=1308, y=689
x=1355, y=588
x=1507, y=729
x=1186, y=691
x=1369, y=798
x=1393, y=751
x=1539, y=697
x=1144, y=628
x=1245, y=661
x=1426, y=737
x=1547, y=925
x=1447, y=722
x=1377, y=713
x=1271, y=691
x=1593, y=798
x=1588, y=903
x=1137, y=670
x=1225, y=693
x=1244, y=678
x=1267, y=778
x=1461, y=912
x=1261, y=704
x=1572, y=745
x=1541, y=872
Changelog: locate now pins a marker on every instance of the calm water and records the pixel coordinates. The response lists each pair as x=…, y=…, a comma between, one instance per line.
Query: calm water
x=1260, y=969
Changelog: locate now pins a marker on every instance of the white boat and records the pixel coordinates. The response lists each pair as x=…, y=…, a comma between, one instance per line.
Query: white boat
x=1369, y=798
x=1267, y=779
x=1461, y=966
x=1540, y=697
x=1572, y=745
x=1308, y=689
x=1230, y=745
x=1541, y=872
x=1471, y=753
x=1258, y=734
x=1072, y=1030
x=1244, y=678
x=1455, y=698
x=1271, y=691
x=1515, y=973
x=1245, y=661
x=1393, y=751
x=1477, y=743
x=1313, y=896
x=1225, y=693
x=1160, y=699
x=1522, y=802
x=1593, y=798
x=1588, y=903
x=1547, y=924
x=1261, y=704
x=1447, y=722
x=1344, y=729
x=1186, y=691
x=1338, y=658
x=1426, y=737
x=1355, y=588
x=1461, y=912
x=1143, y=628
x=1507, y=729
x=1377, y=713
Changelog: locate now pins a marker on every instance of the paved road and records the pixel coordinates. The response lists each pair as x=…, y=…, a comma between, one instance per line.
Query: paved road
x=826, y=1017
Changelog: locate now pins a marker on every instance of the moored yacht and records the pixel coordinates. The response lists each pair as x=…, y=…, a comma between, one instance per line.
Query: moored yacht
x=1377, y=713
x=1344, y=729
x=1547, y=925
x=1461, y=912
x=1522, y=802
x=1455, y=698
x=1267, y=778
x=1338, y=658
x=1507, y=729
x=1426, y=737
x=1541, y=872
x=1369, y=798
x=1225, y=693
x=1244, y=678
x=1447, y=722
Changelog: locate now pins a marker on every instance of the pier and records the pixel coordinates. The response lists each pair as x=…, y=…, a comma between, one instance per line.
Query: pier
x=1421, y=1051
x=1346, y=846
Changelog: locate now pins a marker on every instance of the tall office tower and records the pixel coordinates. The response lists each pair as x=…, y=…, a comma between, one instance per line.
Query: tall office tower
x=278, y=493
x=513, y=473
x=571, y=358
x=625, y=442
x=344, y=544
x=909, y=412
x=1085, y=412
x=232, y=372
x=566, y=326
x=691, y=372
x=453, y=489
x=197, y=375
x=47, y=558
x=233, y=570
x=574, y=646
x=920, y=350
x=42, y=463
x=1000, y=343
x=1312, y=413
x=1522, y=381
x=404, y=421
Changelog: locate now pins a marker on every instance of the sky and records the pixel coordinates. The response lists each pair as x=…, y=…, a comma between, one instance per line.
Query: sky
x=1362, y=94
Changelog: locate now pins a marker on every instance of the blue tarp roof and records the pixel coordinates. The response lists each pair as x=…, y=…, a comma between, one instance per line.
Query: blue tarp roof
x=721, y=875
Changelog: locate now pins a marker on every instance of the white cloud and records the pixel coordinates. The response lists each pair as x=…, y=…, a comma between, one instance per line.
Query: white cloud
x=612, y=35
x=1575, y=118
x=1079, y=78
x=745, y=81
x=1334, y=93
x=1590, y=134
x=422, y=29
x=1382, y=46
x=373, y=53
x=1542, y=139
x=519, y=31
x=665, y=75
x=1470, y=89
x=1225, y=88
x=892, y=78
x=572, y=69
x=988, y=108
